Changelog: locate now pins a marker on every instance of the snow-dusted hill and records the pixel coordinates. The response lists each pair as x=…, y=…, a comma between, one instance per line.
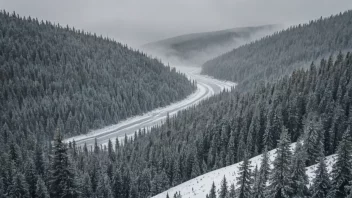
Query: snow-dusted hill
x=200, y=186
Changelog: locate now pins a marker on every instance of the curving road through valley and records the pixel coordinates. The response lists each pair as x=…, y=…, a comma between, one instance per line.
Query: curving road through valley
x=206, y=87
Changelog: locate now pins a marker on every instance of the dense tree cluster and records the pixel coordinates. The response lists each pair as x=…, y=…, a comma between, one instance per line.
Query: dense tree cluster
x=281, y=53
x=288, y=176
x=54, y=77
x=312, y=106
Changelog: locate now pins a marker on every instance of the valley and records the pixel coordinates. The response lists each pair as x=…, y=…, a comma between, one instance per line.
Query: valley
x=206, y=87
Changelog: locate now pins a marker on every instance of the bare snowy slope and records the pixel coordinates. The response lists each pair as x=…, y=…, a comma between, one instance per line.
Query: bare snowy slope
x=200, y=186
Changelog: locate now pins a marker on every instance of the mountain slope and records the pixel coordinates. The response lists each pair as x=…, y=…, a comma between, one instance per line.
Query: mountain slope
x=54, y=77
x=199, y=187
x=279, y=54
x=199, y=47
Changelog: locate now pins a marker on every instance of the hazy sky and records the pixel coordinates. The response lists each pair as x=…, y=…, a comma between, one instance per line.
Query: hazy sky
x=137, y=22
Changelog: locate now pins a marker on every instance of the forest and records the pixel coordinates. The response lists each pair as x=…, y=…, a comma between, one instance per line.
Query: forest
x=312, y=106
x=56, y=81
x=55, y=77
x=280, y=54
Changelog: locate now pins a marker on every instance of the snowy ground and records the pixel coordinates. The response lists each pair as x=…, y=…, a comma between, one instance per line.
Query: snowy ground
x=206, y=87
x=200, y=186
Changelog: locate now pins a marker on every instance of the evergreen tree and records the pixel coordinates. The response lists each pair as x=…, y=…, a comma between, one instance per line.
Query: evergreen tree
x=31, y=177
x=244, y=180
x=19, y=187
x=86, y=186
x=223, y=189
x=232, y=193
x=62, y=178
x=280, y=181
x=41, y=189
x=341, y=171
x=104, y=187
x=117, y=184
x=263, y=176
x=312, y=138
x=212, y=193
x=298, y=169
x=321, y=182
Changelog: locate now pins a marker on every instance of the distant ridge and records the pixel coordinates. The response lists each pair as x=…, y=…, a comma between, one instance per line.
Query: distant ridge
x=196, y=48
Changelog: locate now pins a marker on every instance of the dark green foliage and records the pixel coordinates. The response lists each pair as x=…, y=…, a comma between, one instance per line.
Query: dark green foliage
x=223, y=189
x=321, y=182
x=41, y=191
x=56, y=77
x=62, y=178
x=298, y=176
x=245, y=180
x=259, y=188
x=342, y=169
x=281, y=53
x=280, y=177
x=212, y=193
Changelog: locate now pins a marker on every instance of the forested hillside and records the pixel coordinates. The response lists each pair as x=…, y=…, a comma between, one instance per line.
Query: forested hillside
x=279, y=54
x=197, y=48
x=313, y=106
x=55, y=77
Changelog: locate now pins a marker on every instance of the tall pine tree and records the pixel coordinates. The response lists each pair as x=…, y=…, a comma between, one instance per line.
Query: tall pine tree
x=62, y=178
x=342, y=169
x=280, y=178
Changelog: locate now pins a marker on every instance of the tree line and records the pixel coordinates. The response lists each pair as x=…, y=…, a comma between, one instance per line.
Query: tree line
x=280, y=54
x=288, y=176
x=59, y=77
x=311, y=105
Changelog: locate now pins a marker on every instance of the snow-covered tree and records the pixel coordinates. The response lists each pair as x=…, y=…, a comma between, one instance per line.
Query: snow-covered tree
x=280, y=177
x=298, y=172
x=244, y=179
x=62, y=178
x=321, y=182
x=223, y=188
x=263, y=176
x=41, y=190
x=342, y=169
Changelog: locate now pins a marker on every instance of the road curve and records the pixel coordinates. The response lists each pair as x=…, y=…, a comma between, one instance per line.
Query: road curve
x=206, y=87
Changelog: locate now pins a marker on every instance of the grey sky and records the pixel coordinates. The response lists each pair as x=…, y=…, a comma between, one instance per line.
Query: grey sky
x=137, y=22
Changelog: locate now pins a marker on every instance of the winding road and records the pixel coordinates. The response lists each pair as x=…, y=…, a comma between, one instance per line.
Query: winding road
x=206, y=87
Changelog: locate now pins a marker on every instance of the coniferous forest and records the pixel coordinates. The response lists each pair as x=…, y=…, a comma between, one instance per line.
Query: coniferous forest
x=63, y=81
x=279, y=54
x=54, y=77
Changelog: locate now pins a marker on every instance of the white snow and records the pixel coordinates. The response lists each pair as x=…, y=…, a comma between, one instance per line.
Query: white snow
x=206, y=87
x=200, y=186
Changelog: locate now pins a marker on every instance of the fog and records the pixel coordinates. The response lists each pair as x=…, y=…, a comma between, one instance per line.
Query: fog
x=139, y=22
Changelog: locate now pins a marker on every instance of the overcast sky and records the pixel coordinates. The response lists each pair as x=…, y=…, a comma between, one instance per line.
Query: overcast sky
x=137, y=22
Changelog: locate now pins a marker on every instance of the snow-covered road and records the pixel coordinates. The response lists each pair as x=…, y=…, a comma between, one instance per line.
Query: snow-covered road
x=207, y=87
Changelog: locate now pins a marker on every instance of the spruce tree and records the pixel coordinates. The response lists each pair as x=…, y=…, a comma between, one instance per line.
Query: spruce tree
x=321, y=182
x=223, y=188
x=341, y=171
x=280, y=181
x=312, y=138
x=212, y=193
x=62, y=178
x=117, y=184
x=19, y=187
x=263, y=176
x=41, y=189
x=298, y=172
x=104, y=187
x=244, y=180
x=86, y=186
x=232, y=193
